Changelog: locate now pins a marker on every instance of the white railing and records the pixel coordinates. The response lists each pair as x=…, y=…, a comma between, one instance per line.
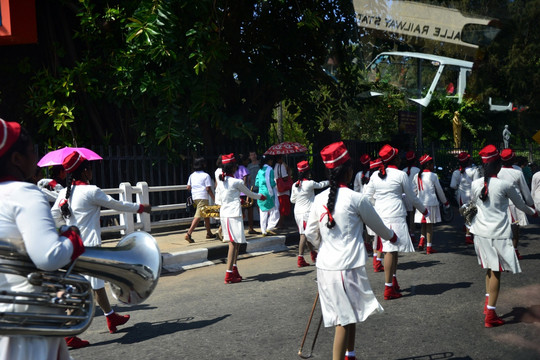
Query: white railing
x=129, y=222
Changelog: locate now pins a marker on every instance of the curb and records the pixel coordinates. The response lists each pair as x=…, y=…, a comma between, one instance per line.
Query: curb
x=196, y=258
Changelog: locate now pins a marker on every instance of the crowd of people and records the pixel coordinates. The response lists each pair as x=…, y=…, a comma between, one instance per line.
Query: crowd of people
x=340, y=220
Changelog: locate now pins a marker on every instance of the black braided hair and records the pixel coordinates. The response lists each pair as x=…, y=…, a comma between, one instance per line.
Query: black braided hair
x=382, y=168
x=228, y=170
x=76, y=175
x=463, y=165
x=301, y=176
x=423, y=167
x=336, y=176
x=365, y=169
x=490, y=169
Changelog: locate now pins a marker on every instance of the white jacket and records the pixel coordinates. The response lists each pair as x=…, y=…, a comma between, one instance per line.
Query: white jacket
x=429, y=191
x=516, y=178
x=229, y=196
x=304, y=195
x=462, y=184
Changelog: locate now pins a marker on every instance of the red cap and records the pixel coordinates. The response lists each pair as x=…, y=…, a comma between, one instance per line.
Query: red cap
x=302, y=166
x=463, y=156
x=335, y=155
x=489, y=154
x=9, y=133
x=507, y=154
x=364, y=159
x=73, y=161
x=387, y=153
x=410, y=155
x=226, y=159
x=375, y=163
x=425, y=158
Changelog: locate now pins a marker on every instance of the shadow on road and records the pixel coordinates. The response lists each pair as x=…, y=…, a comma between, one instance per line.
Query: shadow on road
x=525, y=315
x=444, y=355
x=277, y=276
x=436, y=289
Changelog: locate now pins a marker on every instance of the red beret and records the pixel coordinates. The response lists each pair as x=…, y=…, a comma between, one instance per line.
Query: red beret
x=364, y=159
x=489, y=154
x=425, y=158
x=302, y=166
x=335, y=155
x=72, y=162
x=9, y=133
x=507, y=154
x=226, y=159
x=375, y=163
x=463, y=156
x=387, y=153
x=410, y=155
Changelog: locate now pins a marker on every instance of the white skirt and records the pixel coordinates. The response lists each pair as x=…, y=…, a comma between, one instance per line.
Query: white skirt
x=233, y=229
x=346, y=296
x=433, y=218
x=33, y=347
x=403, y=243
x=496, y=254
x=301, y=220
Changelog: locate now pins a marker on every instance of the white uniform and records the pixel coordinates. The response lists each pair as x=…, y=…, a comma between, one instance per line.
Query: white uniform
x=429, y=191
x=230, y=212
x=303, y=196
x=344, y=289
x=535, y=189
x=25, y=216
x=387, y=193
x=357, y=185
x=412, y=172
x=516, y=178
x=491, y=226
x=462, y=184
x=85, y=203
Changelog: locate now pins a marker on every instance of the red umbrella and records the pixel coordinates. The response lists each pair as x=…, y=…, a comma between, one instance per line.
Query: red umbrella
x=57, y=156
x=284, y=148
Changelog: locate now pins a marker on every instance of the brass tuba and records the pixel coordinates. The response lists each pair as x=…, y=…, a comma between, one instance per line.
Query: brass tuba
x=63, y=304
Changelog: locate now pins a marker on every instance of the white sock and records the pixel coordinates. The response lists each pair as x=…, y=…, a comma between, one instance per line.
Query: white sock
x=388, y=284
x=394, y=275
x=350, y=353
x=491, y=307
x=234, y=265
x=379, y=259
x=487, y=295
x=428, y=244
x=109, y=313
x=229, y=271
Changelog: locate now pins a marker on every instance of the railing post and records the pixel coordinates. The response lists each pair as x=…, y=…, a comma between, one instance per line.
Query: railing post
x=144, y=198
x=126, y=219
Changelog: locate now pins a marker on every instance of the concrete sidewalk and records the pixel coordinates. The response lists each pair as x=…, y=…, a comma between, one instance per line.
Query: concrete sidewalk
x=179, y=255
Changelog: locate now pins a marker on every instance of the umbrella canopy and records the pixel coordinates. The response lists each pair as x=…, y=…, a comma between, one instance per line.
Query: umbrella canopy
x=56, y=157
x=284, y=148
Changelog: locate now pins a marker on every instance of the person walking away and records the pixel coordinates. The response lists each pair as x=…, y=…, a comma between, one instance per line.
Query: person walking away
x=79, y=204
x=25, y=218
x=535, y=189
x=376, y=240
x=427, y=187
x=281, y=170
x=253, y=168
x=410, y=169
x=335, y=225
x=360, y=180
x=269, y=207
x=302, y=195
x=387, y=188
x=516, y=177
x=200, y=185
x=461, y=181
x=242, y=173
x=492, y=230
x=230, y=214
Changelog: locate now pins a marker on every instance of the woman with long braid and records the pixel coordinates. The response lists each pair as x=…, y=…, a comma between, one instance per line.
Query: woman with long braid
x=80, y=204
x=335, y=225
x=387, y=186
x=303, y=195
x=492, y=230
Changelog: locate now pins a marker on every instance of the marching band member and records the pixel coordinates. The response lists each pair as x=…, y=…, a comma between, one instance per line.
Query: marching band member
x=335, y=225
x=428, y=188
x=362, y=177
x=461, y=181
x=377, y=243
x=410, y=169
x=492, y=230
x=80, y=204
x=230, y=214
x=302, y=195
x=25, y=216
x=516, y=177
x=269, y=207
x=387, y=189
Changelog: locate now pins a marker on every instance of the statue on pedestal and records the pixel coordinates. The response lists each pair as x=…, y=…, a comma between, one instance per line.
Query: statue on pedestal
x=506, y=137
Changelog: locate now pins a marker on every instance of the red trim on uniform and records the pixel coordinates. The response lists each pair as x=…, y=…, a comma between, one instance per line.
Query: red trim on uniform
x=76, y=241
x=141, y=209
x=53, y=183
x=229, y=231
x=343, y=185
x=330, y=218
x=392, y=167
x=79, y=182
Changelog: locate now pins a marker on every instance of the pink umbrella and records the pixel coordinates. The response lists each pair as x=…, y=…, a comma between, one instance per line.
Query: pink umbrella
x=57, y=156
x=284, y=148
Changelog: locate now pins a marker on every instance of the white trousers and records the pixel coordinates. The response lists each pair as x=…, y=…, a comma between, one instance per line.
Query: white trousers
x=269, y=219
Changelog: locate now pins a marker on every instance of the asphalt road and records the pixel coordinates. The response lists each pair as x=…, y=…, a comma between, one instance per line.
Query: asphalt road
x=193, y=315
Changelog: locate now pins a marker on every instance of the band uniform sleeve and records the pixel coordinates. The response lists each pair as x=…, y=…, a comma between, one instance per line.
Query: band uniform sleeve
x=106, y=201
x=438, y=189
x=312, y=232
x=243, y=189
x=370, y=217
x=407, y=189
x=516, y=198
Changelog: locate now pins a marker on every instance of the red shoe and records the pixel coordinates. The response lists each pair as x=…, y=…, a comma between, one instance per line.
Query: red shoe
x=377, y=265
x=421, y=243
x=390, y=293
x=114, y=320
x=236, y=273
x=431, y=250
x=485, y=305
x=74, y=342
x=469, y=239
x=350, y=357
x=395, y=284
x=231, y=279
x=492, y=320
x=302, y=262
x=313, y=256
x=518, y=255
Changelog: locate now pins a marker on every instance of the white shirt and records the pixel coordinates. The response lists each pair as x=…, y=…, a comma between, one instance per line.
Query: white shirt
x=429, y=189
x=304, y=195
x=357, y=185
x=387, y=193
x=280, y=171
x=229, y=196
x=85, y=203
x=516, y=178
x=535, y=189
x=462, y=183
x=342, y=247
x=199, y=181
x=492, y=221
